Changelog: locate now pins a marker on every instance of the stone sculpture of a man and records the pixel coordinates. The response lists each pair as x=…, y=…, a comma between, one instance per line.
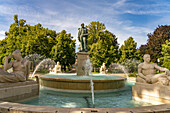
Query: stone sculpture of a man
x=83, y=37
x=147, y=72
x=21, y=68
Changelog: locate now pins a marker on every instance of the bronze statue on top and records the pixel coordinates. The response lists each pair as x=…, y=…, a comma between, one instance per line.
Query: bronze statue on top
x=21, y=69
x=83, y=37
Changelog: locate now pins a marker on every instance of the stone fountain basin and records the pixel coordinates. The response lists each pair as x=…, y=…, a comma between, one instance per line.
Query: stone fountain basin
x=81, y=84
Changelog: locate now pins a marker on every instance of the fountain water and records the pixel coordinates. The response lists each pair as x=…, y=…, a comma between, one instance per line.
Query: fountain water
x=118, y=68
x=88, y=70
x=43, y=61
x=79, y=87
x=124, y=70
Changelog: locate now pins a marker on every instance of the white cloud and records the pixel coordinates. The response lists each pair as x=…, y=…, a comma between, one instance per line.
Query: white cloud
x=2, y=35
x=119, y=3
x=2, y=32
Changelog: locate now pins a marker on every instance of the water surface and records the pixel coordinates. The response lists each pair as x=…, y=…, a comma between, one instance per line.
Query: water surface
x=120, y=98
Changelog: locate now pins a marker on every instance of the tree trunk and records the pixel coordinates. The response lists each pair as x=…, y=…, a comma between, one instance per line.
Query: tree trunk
x=64, y=68
x=94, y=69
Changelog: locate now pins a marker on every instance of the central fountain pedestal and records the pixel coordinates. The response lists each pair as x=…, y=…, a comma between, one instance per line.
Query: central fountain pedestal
x=80, y=84
x=81, y=58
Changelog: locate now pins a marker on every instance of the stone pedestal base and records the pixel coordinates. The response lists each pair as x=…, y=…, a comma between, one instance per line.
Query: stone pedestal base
x=18, y=91
x=152, y=93
x=81, y=58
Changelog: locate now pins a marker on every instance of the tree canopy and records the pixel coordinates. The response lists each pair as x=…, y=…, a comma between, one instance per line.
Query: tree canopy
x=102, y=44
x=166, y=54
x=155, y=41
x=35, y=40
x=64, y=50
x=128, y=51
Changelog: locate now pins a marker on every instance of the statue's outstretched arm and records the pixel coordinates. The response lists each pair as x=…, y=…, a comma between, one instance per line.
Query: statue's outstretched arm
x=161, y=68
x=6, y=64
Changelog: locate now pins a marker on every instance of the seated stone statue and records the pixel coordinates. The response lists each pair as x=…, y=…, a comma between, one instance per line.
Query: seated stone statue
x=103, y=69
x=57, y=68
x=21, y=68
x=147, y=72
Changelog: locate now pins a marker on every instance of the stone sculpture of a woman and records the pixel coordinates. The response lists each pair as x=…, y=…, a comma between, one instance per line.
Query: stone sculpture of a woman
x=21, y=68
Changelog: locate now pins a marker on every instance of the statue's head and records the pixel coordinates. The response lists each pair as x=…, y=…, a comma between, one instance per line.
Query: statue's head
x=82, y=25
x=58, y=63
x=146, y=58
x=17, y=54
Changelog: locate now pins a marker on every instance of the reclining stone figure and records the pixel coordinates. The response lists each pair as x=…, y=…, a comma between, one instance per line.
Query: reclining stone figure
x=147, y=72
x=21, y=68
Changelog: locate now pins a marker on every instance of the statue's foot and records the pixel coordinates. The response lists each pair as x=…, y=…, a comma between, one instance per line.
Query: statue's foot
x=82, y=50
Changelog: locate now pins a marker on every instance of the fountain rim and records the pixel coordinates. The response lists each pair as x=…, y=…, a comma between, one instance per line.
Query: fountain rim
x=6, y=106
x=36, y=108
x=81, y=85
x=80, y=80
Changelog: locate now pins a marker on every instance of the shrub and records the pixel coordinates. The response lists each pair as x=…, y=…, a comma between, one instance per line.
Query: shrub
x=131, y=65
x=133, y=75
x=115, y=68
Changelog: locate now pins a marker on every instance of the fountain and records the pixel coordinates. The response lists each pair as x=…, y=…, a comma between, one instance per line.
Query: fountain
x=81, y=81
x=84, y=81
x=88, y=70
x=124, y=70
x=75, y=83
x=102, y=98
x=45, y=60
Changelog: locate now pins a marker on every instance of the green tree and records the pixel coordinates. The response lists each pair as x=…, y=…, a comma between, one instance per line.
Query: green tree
x=155, y=41
x=29, y=39
x=3, y=51
x=11, y=42
x=64, y=50
x=128, y=51
x=166, y=54
x=102, y=44
x=94, y=32
x=143, y=49
x=104, y=50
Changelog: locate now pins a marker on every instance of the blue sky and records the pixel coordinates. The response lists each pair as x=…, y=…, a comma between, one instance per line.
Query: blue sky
x=124, y=18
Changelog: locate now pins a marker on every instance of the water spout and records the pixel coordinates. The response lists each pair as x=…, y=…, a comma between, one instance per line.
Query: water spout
x=124, y=70
x=92, y=90
x=88, y=72
x=45, y=60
